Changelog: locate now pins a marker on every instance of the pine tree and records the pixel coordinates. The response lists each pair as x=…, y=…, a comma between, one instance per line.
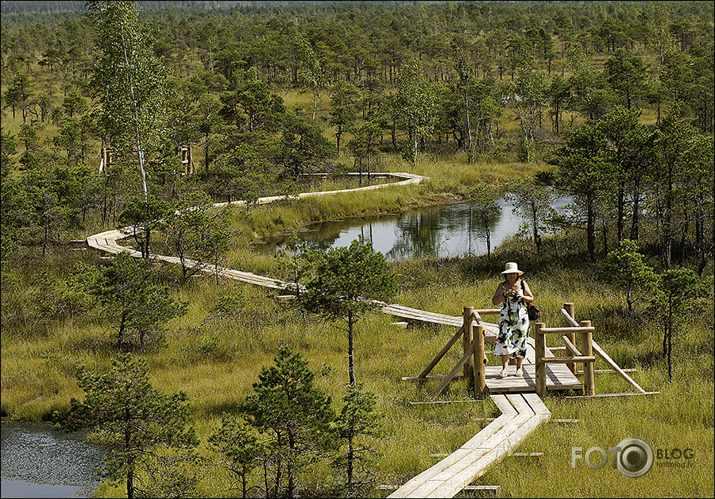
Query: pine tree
x=678, y=296
x=133, y=299
x=627, y=269
x=235, y=440
x=347, y=283
x=294, y=414
x=122, y=406
x=358, y=418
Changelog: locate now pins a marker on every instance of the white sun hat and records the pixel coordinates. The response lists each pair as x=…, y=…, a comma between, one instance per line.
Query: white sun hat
x=511, y=268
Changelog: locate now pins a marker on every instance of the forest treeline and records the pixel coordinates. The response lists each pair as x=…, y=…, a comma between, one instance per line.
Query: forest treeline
x=618, y=95
x=33, y=7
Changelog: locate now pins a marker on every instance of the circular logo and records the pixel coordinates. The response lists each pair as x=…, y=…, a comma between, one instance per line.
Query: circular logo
x=635, y=458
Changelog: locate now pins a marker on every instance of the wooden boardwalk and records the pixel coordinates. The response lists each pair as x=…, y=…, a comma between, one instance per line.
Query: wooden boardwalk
x=417, y=316
x=107, y=241
x=405, y=179
x=521, y=415
x=522, y=410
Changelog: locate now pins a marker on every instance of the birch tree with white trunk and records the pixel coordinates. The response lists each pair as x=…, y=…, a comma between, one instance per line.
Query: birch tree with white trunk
x=130, y=82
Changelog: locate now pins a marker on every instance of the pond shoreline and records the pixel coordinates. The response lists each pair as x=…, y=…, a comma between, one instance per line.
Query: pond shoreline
x=435, y=200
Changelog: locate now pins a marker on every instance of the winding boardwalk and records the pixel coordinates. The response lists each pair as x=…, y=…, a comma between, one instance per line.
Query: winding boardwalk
x=522, y=413
x=108, y=241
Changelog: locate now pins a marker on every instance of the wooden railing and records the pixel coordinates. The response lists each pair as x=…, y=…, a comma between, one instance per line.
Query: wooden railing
x=474, y=359
x=568, y=313
x=473, y=342
x=573, y=355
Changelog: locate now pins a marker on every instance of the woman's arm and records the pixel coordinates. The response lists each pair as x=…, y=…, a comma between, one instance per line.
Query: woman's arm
x=526, y=293
x=498, y=294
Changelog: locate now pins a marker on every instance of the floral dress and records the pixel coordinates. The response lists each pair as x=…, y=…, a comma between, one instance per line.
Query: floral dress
x=513, y=328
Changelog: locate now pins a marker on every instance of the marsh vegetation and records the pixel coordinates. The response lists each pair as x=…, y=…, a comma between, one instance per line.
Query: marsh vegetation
x=450, y=91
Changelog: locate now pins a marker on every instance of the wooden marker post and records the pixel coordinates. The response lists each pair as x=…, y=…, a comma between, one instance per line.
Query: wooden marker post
x=468, y=338
x=570, y=309
x=589, y=377
x=540, y=353
x=105, y=159
x=480, y=381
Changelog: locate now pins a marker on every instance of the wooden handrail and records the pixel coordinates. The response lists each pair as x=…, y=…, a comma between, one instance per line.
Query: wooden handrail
x=570, y=346
x=556, y=330
x=442, y=352
x=565, y=360
x=621, y=372
x=487, y=311
x=586, y=355
x=453, y=372
x=477, y=318
x=568, y=317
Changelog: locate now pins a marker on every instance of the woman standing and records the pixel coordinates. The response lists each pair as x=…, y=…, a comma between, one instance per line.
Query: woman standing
x=514, y=295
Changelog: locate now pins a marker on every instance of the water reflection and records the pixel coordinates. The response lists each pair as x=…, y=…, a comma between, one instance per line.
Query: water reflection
x=442, y=231
x=40, y=462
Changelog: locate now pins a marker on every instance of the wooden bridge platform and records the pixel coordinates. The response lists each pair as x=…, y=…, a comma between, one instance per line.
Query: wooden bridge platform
x=521, y=414
x=558, y=377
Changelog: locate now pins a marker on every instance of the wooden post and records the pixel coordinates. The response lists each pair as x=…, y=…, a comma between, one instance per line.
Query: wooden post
x=569, y=307
x=539, y=353
x=468, y=338
x=589, y=377
x=190, y=160
x=480, y=381
x=105, y=159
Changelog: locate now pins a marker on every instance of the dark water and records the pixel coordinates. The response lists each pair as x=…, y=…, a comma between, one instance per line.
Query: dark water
x=442, y=231
x=38, y=461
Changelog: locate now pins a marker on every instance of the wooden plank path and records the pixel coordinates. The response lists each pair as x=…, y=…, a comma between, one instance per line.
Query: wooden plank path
x=521, y=415
x=406, y=179
x=558, y=376
x=417, y=316
x=107, y=241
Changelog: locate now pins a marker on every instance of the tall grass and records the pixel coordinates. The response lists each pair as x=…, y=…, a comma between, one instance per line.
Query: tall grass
x=216, y=364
